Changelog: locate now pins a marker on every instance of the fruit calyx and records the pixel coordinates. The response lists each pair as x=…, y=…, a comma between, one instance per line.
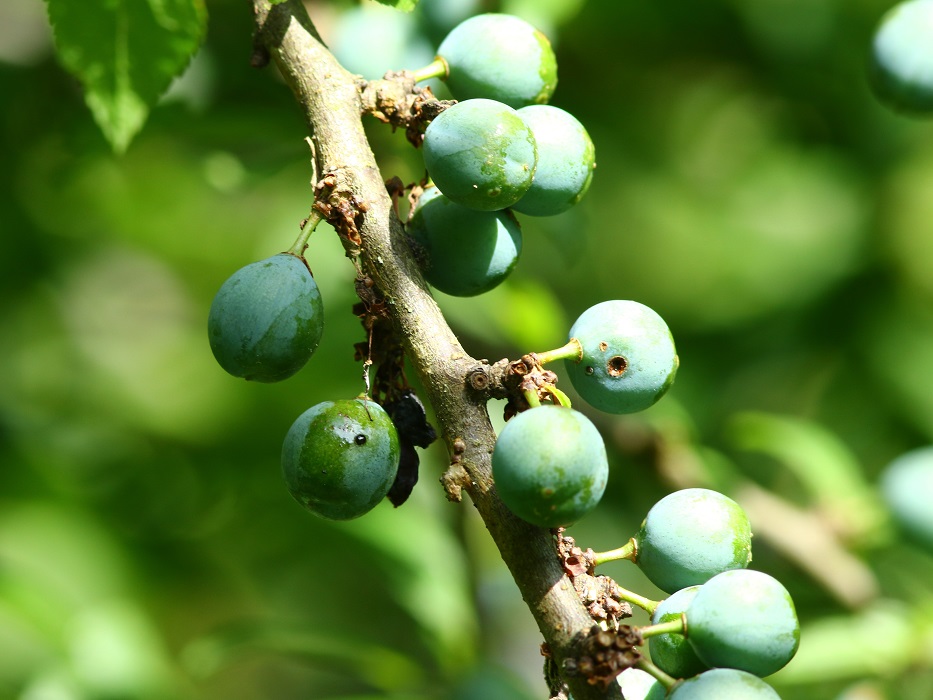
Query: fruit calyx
x=396, y=99
x=529, y=384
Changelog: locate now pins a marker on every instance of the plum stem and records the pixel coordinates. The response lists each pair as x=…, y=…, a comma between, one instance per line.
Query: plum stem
x=662, y=678
x=532, y=398
x=435, y=69
x=307, y=228
x=627, y=551
x=641, y=601
x=558, y=395
x=678, y=626
x=573, y=350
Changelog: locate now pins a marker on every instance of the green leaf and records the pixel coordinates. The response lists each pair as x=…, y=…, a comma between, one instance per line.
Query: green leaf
x=823, y=463
x=403, y=5
x=125, y=53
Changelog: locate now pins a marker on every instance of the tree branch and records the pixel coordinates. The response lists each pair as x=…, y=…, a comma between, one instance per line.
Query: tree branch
x=330, y=98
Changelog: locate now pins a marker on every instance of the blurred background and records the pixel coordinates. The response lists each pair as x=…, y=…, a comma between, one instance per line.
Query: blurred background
x=749, y=189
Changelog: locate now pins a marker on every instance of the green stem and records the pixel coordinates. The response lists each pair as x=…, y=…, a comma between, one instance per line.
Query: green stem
x=571, y=351
x=532, y=398
x=641, y=601
x=678, y=626
x=626, y=551
x=435, y=69
x=558, y=395
x=298, y=247
x=662, y=678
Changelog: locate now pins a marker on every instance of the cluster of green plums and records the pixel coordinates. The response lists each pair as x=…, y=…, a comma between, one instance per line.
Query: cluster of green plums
x=549, y=462
x=500, y=149
x=902, y=58
x=724, y=626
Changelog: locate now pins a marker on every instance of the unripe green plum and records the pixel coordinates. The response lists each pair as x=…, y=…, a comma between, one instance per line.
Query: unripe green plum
x=639, y=685
x=480, y=154
x=902, y=57
x=340, y=458
x=430, y=192
x=550, y=465
x=691, y=535
x=743, y=619
x=267, y=319
x=907, y=486
x=671, y=652
x=499, y=57
x=628, y=357
x=566, y=160
x=723, y=684
x=464, y=251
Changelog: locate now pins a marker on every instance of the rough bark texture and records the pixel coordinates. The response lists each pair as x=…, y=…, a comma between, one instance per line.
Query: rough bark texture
x=346, y=167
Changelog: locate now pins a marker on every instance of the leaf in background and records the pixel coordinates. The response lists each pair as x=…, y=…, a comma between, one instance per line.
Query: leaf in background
x=824, y=465
x=125, y=53
x=380, y=667
x=834, y=644
x=403, y=5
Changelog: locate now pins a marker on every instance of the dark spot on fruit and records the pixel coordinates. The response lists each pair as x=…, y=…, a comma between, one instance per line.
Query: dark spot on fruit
x=589, y=370
x=616, y=366
x=603, y=346
x=360, y=439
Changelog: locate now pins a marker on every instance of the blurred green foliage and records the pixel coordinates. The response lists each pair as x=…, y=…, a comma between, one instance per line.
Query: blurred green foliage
x=748, y=188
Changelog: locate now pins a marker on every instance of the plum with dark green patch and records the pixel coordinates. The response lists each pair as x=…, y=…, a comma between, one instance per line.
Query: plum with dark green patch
x=340, y=458
x=550, y=465
x=480, y=154
x=672, y=652
x=463, y=251
x=267, y=319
